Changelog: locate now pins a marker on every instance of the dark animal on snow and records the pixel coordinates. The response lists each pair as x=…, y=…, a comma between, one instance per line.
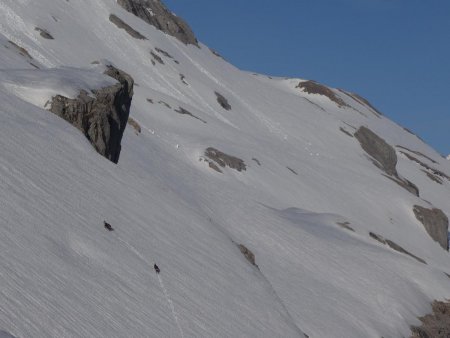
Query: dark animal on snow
x=108, y=226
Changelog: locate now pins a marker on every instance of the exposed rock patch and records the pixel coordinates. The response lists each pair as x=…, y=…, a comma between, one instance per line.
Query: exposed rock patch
x=436, y=324
x=222, y=101
x=426, y=166
x=155, y=13
x=182, y=78
x=122, y=25
x=103, y=118
x=22, y=51
x=223, y=160
x=432, y=177
x=345, y=132
x=157, y=58
x=248, y=254
x=352, y=98
x=363, y=102
x=312, y=87
x=314, y=104
x=404, y=183
x=394, y=246
x=163, y=52
x=418, y=153
x=292, y=170
x=435, y=223
x=378, y=149
x=44, y=33
x=257, y=161
x=384, y=157
x=165, y=104
x=216, y=53
x=183, y=111
x=137, y=128
x=345, y=225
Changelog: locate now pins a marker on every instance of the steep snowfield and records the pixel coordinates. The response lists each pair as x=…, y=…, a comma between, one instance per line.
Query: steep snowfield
x=63, y=275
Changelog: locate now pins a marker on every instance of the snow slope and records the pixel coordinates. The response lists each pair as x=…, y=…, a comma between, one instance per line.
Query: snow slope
x=63, y=275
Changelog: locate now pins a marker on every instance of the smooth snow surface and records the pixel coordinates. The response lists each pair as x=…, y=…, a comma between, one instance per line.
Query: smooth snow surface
x=63, y=275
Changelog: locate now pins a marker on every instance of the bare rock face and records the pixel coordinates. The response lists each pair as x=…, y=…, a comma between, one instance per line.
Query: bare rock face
x=248, y=254
x=378, y=149
x=394, y=246
x=223, y=160
x=122, y=25
x=312, y=87
x=103, y=118
x=436, y=324
x=45, y=34
x=435, y=223
x=222, y=101
x=155, y=13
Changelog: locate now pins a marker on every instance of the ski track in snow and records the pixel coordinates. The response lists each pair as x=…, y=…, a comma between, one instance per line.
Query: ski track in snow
x=171, y=306
x=163, y=288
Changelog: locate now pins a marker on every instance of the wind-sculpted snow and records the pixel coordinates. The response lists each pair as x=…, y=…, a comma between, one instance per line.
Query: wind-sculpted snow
x=305, y=205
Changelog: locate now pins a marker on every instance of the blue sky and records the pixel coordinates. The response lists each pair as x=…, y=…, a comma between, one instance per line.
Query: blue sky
x=396, y=53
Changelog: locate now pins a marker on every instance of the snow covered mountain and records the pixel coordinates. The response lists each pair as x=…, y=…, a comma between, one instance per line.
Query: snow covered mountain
x=274, y=207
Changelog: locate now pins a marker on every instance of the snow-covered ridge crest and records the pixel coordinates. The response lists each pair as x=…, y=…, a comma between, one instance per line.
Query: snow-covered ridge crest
x=38, y=86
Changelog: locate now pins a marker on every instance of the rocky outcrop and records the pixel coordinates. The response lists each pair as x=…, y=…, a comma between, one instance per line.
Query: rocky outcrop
x=136, y=126
x=384, y=157
x=223, y=160
x=436, y=324
x=435, y=223
x=426, y=166
x=395, y=246
x=345, y=225
x=312, y=87
x=183, y=111
x=362, y=101
x=248, y=254
x=222, y=101
x=44, y=33
x=122, y=25
x=378, y=149
x=155, y=13
x=404, y=183
x=22, y=51
x=417, y=153
x=102, y=118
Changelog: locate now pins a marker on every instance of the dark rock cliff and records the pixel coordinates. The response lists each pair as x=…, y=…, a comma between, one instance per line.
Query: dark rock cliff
x=102, y=118
x=435, y=223
x=155, y=13
x=378, y=149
